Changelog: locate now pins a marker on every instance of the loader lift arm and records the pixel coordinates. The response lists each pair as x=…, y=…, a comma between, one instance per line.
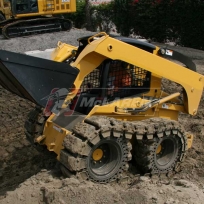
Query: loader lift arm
x=107, y=47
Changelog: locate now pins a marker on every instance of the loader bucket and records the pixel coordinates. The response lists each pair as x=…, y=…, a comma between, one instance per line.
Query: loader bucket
x=34, y=78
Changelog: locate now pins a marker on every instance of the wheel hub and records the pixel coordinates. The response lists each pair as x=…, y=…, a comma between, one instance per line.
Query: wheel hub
x=106, y=159
x=159, y=148
x=97, y=154
x=166, y=152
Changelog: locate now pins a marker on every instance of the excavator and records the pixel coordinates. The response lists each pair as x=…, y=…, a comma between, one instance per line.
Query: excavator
x=28, y=17
x=100, y=106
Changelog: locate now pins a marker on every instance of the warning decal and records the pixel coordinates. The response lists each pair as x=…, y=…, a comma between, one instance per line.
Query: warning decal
x=169, y=52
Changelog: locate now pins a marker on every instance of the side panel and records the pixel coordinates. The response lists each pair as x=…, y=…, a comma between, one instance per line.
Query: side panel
x=51, y=7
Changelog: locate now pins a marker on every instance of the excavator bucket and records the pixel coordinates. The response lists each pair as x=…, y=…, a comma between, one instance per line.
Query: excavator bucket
x=34, y=78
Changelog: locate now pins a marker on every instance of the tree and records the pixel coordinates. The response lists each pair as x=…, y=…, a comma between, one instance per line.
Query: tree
x=89, y=25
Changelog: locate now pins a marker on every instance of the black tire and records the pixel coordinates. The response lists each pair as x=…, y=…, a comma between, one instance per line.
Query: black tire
x=98, y=150
x=67, y=25
x=111, y=161
x=65, y=172
x=34, y=127
x=165, y=148
x=2, y=18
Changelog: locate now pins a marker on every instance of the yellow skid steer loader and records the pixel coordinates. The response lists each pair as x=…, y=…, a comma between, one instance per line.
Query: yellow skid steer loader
x=100, y=105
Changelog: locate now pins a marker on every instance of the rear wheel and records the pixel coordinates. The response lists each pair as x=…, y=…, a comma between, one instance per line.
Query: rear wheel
x=98, y=150
x=166, y=152
x=164, y=148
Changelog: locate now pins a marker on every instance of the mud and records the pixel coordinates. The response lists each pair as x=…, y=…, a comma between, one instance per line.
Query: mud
x=18, y=159
x=48, y=187
x=27, y=176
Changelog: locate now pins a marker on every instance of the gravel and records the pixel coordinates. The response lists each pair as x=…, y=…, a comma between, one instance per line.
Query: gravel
x=42, y=41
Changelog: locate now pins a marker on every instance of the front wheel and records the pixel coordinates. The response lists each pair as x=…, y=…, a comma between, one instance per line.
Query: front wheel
x=107, y=159
x=97, y=150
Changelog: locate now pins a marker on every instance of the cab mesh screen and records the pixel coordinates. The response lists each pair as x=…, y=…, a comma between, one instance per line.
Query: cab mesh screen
x=126, y=80
x=122, y=80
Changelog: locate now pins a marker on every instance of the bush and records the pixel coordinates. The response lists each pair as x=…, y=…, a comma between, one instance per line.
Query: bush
x=192, y=24
x=79, y=17
x=102, y=16
x=123, y=16
x=162, y=20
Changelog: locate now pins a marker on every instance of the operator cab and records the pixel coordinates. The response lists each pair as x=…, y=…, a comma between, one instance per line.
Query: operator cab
x=24, y=6
x=112, y=80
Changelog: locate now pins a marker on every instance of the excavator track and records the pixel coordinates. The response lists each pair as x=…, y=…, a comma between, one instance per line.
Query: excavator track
x=21, y=28
x=5, y=22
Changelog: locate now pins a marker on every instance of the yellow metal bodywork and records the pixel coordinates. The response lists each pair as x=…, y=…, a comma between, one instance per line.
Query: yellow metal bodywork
x=62, y=52
x=97, y=154
x=56, y=136
x=45, y=7
x=5, y=8
x=109, y=110
x=108, y=48
x=99, y=50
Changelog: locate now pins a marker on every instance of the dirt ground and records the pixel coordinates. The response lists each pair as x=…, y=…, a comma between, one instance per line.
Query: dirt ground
x=27, y=176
